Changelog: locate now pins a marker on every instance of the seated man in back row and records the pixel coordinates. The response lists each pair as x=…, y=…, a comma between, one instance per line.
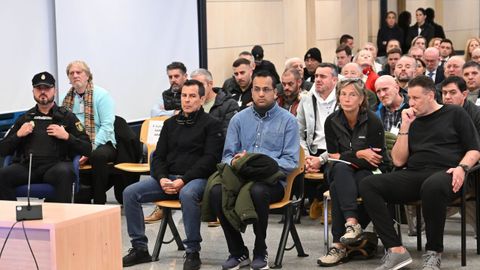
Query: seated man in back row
x=437, y=144
x=189, y=147
x=52, y=135
x=267, y=129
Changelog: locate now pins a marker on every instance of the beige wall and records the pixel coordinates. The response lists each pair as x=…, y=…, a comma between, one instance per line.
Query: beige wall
x=287, y=28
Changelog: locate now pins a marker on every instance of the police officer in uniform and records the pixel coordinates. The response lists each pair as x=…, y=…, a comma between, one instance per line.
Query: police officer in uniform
x=52, y=135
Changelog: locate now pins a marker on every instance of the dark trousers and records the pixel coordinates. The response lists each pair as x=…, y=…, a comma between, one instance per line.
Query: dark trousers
x=262, y=195
x=344, y=181
x=59, y=174
x=432, y=187
x=99, y=160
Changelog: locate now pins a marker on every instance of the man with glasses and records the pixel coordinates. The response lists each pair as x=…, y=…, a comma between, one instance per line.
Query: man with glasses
x=270, y=130
x=52, y=135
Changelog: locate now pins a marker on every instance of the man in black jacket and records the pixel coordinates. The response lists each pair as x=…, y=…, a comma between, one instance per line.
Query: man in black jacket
x=52, y=136
x=177, y=75
x=189, y=147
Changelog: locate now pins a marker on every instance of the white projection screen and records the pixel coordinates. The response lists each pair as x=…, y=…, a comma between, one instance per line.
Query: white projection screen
x=126, y=43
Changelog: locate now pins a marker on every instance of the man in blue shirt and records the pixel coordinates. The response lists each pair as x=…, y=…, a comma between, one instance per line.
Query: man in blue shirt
x=262, y=128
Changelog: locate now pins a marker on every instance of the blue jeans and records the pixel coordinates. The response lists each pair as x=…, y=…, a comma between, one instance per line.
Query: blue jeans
x=149, y=190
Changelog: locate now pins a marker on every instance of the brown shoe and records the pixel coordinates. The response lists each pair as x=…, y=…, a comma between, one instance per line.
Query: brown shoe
x=316, y=209
x=155, y=216
x=214, y=223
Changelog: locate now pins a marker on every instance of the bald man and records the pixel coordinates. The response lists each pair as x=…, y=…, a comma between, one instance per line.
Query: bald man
x=431, y=56
x=392, y=102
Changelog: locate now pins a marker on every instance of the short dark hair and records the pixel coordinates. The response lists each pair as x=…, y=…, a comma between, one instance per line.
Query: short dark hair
x=241, y=61
x=446, y=40
x=458, y=81
x=344, y=38
x=430, y=12
x=345, y=48
x=201, y=88
x=264, y=74
x=394, y=50
x=423, y=81
x=471, y=64
x=331, y=66
x=177, y=65
x=390, y=12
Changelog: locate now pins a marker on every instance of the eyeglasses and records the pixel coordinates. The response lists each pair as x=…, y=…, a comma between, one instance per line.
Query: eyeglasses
x=265, y=90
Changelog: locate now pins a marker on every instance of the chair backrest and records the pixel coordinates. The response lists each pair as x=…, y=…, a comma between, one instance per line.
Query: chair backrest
x=150, y=132
x=292, y=175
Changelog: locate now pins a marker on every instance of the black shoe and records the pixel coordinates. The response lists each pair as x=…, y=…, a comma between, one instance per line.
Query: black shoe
x=192, y=261
x=135, y=256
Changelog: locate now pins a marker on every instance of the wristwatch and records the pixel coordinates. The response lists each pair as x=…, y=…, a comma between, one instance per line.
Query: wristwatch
x=464, y=167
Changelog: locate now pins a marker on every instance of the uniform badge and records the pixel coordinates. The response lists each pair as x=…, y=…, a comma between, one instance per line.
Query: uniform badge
x=79, y=126
x=42, y=77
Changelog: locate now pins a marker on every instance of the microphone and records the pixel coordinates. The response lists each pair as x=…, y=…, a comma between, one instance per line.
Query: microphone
x=29, y=212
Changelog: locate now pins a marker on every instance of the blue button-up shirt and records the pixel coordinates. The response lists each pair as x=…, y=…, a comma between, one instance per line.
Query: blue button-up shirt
x=275, y=135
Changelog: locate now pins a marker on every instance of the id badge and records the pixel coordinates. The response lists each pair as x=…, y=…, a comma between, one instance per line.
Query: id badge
x=395, y=130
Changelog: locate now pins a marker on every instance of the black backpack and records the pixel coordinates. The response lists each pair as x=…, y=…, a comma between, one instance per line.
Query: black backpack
x=364, y=248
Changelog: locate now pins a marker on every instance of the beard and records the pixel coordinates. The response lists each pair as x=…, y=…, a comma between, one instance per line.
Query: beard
x=44, y=100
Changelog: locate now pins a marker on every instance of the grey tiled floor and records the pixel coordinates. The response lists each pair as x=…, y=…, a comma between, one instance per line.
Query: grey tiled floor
x=214, y=249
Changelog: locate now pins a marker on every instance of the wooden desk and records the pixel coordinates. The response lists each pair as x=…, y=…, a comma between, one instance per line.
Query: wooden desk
x=70, y=236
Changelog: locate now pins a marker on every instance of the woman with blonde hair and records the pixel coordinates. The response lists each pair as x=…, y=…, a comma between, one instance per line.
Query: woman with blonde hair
x=419, y=41
x=435, y=42
x=365, y=60
x=354, y=135
x=471, y=45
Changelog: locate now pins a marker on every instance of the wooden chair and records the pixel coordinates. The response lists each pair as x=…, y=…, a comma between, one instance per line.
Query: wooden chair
x=287, y=204
x=149, y=134
x=472, y=180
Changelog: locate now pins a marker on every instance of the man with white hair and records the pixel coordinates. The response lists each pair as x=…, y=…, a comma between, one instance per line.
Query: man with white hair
x=433, y=70
x=298, y=64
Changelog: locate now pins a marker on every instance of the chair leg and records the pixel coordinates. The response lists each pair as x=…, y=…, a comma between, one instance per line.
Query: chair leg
x=325, y=224
x=167, y=214
x=477, y=210
x=398, y=219
x=297, y=242
x=287, y=223
x=419, y=227
x=463, y=231
x=175, y=233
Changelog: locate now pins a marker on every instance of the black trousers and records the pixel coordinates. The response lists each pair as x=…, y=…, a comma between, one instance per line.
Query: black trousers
x=432, y=187
x=99, y=160
x=262, y=195
x=59, y=174
x=344, y=181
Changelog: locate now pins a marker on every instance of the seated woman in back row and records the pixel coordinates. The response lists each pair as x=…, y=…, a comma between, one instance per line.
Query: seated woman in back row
x=355, y=138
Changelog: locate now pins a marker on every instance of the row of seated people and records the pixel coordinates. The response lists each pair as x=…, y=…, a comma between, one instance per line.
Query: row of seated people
x=352, y=133
x=325, y=82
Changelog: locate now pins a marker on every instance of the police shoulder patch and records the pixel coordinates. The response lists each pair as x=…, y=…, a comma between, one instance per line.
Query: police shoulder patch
x=79, y=126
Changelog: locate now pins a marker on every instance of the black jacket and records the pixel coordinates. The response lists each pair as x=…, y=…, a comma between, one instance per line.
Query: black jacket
x=40, y=144
x=368, y=133
x=171, y=100
x=189, y=146
x=385, y=34
x=474, y=112
x=243, y=98
x=427, y=32
x=128, y=145
x=224, y=108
